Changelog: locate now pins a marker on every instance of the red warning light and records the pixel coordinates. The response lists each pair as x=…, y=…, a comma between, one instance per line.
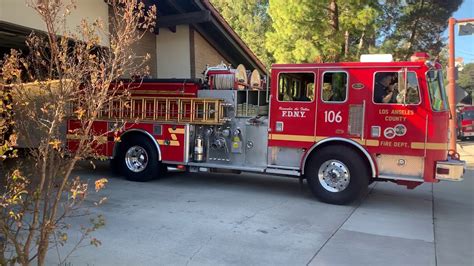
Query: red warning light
x=419, y=57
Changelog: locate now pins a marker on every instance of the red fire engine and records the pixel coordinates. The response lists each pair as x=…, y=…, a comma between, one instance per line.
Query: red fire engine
x=340, y=126
x=465, y=126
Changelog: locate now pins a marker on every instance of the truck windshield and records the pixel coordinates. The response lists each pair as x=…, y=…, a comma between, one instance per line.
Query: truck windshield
x=437, y=91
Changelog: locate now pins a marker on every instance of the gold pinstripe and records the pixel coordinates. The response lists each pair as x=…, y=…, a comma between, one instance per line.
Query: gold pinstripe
x=368, y=142
x=429, y=146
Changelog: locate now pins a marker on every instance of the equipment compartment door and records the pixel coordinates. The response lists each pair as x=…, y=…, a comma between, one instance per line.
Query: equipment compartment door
x=293, y=108
x=256, y=144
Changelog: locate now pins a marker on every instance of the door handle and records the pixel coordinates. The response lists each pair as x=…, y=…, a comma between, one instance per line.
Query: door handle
x=279, y=126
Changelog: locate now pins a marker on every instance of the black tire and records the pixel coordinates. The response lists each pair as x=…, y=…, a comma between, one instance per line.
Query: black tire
x=343, y=162
x=144, y=171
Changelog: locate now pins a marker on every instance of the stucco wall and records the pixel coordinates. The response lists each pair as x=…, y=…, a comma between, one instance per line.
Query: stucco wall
x=173, y=53
x=205, y=54
x=17, y=12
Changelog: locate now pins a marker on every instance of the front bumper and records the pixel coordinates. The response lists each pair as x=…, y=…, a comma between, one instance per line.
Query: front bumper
x=450, y=170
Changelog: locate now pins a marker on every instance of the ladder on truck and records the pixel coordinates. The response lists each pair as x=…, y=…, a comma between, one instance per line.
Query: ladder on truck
x=166, y=109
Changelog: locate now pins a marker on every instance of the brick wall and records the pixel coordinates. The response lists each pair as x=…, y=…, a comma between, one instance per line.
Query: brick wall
x=147, y=45
x=204, y=54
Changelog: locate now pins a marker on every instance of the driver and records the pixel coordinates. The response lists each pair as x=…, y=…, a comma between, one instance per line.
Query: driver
x=385, y=91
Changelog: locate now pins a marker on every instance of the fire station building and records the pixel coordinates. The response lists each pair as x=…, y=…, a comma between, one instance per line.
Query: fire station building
x=190, y=34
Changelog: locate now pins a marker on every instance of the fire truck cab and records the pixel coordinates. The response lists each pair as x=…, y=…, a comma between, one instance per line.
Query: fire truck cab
x=340, y=126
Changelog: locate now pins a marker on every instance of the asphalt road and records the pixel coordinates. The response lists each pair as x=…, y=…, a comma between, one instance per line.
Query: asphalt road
x=467, y=143
x=221, y=219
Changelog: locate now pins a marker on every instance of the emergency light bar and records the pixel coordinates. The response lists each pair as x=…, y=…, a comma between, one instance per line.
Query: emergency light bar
x=419, y=57
x=376, y=58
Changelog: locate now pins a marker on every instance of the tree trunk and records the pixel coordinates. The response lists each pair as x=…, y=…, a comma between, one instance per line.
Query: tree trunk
x=334, y=15
x=334, y=22
x=3, y=243
x=42, y=250
x=413, y=32
x=346, y=44
x=361, y=44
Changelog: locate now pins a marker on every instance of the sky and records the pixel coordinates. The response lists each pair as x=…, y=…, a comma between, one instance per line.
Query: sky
x=464, y=45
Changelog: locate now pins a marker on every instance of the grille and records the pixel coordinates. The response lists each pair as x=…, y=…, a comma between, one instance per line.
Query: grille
x=355, y=119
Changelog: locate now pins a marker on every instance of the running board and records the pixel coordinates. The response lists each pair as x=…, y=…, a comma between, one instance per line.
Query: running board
x=228, y=167
x=203, y=167
x=274, y=166
x=282, y=172
x=405, y=178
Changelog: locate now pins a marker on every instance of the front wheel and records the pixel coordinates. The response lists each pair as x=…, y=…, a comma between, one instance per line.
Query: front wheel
x=138, y=159
x=337, y=175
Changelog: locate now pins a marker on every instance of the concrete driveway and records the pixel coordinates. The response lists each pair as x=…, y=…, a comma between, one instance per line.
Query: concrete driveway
x=219, y=219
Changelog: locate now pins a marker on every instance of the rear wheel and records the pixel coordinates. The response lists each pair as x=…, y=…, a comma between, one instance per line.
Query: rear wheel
x=137, y=159
x=337, y=175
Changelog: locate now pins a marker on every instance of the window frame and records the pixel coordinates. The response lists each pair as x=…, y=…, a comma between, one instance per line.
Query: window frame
x=448, y=108
x=296, y=72
x=402, y=104
x=347, y=86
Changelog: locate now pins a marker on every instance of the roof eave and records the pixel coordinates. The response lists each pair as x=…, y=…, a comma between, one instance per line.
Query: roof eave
x=220, y=21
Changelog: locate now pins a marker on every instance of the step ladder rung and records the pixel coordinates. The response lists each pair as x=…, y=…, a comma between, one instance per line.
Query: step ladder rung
x=166, y=109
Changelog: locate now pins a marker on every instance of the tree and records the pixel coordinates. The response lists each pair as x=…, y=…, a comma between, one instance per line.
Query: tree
x=327, y=31
x=466, y=77
x=333, y=30
x=250, y=20
x=414, y=25
x=63, y=75
x=357, y=20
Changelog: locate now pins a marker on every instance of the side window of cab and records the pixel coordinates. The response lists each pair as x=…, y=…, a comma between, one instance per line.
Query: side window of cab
x=334, y=88
x=388, y=88
x=296, y=87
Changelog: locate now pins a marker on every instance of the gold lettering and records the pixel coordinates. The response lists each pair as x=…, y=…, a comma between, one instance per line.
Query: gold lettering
x=395, y=118
x=400, y=144
x=402, y=112
x=386, y=143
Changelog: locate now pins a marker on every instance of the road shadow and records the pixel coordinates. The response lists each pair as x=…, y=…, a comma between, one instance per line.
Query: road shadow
x=248, y=182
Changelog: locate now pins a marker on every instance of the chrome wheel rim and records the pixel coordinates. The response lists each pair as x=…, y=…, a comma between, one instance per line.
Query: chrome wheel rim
x=136, y=159
x=334, y=176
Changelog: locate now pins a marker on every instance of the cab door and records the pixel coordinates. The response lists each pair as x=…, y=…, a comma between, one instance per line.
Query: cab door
x=293, y=111
x=397, y=125
x=333, y=104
